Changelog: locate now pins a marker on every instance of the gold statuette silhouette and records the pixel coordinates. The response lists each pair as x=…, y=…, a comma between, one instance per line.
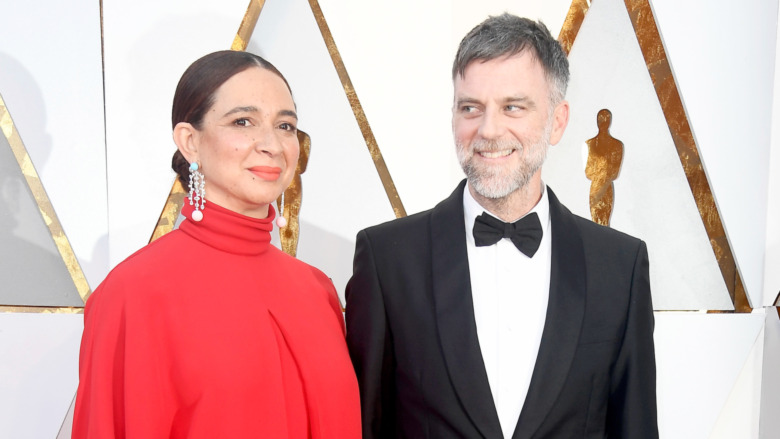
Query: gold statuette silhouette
x=605, y=155
x=289, y=203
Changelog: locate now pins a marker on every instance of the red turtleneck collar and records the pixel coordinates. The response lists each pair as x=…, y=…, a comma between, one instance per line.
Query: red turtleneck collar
x=229, y=231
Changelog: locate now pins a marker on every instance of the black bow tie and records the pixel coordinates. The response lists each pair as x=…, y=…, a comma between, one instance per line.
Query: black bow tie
x=525, y=233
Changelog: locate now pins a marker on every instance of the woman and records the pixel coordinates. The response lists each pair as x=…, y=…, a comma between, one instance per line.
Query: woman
x=210, y=331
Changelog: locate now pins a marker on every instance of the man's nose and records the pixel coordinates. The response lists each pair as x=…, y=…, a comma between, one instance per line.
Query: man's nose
x=492, y=125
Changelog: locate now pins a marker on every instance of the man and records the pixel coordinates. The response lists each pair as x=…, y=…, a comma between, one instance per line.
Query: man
x=457, y=335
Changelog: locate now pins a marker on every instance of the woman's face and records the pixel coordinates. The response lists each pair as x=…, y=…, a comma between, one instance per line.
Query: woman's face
x=247, y=147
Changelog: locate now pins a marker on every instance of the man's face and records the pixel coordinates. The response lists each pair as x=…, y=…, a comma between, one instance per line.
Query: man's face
x=503, y=122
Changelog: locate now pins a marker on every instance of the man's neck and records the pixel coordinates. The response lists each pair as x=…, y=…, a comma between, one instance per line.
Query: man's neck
x=513, y=206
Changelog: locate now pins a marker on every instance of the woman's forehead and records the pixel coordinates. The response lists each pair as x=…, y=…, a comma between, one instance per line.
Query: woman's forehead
x=254, y=87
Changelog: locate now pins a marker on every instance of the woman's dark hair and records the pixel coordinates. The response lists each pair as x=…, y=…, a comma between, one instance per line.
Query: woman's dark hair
x=195, y=93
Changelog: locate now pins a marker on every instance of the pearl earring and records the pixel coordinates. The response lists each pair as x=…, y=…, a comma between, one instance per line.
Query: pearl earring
x=280, y=220
x=197, y=191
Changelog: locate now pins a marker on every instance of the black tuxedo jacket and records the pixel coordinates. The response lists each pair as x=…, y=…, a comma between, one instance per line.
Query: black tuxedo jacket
x=413, y=341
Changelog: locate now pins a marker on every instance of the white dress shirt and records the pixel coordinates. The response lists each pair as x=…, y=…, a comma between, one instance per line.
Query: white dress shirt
x=510, y=293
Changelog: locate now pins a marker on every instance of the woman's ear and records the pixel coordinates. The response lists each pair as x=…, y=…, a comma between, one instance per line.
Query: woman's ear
x=185, y=137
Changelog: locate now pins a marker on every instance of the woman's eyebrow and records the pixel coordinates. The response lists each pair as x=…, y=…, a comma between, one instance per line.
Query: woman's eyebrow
x=288, y=113
x=250, y=109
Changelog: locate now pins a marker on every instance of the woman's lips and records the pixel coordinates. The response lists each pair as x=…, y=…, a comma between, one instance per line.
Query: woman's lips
x=266, y=172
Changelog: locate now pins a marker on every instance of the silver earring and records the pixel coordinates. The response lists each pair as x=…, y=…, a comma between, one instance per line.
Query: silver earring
x=197, y=191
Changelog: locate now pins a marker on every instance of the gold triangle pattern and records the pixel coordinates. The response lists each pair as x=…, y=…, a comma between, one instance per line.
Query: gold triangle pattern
x=649, y=38
x=357, y=109
x=49, y=217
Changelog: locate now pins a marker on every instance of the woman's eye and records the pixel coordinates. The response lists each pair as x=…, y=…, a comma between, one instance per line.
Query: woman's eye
x=243, y=122
x=287, y=127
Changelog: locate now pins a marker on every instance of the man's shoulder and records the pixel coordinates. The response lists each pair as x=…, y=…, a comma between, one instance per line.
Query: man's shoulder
x=411, y=224
x=607, y=246
x=598, y=232
x=449, y=209
x=594, y=234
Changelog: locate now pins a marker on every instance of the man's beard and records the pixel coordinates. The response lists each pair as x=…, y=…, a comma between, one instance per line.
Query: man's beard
x=498, y=182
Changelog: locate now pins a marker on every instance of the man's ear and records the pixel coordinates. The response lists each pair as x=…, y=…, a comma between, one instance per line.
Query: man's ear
x=560, y=121
x=185, y=137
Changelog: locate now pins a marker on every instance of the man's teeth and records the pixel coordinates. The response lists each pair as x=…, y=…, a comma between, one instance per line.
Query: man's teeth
x=495, y=154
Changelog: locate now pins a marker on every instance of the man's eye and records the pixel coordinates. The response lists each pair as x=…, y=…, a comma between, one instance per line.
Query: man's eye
x=288, y=127
x=468, y=109
x=242, y=122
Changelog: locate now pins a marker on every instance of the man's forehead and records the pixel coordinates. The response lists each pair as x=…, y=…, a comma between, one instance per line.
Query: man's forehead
x=526, y=52
x=507, y=71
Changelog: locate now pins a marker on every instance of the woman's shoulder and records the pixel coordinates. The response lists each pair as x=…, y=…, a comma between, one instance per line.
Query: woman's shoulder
x=160, y=254
x=154, y=261
x=308, y=273
x=298, y=267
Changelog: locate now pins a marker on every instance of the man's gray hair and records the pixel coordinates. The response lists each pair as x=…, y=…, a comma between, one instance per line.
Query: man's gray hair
x=509, y=35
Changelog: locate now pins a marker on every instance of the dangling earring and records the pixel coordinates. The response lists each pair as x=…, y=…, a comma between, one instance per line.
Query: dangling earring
x=197, y=191
x=280, y=220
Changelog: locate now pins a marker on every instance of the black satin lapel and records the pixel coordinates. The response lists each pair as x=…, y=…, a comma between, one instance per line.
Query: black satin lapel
x=455, y=314
x=565, y=312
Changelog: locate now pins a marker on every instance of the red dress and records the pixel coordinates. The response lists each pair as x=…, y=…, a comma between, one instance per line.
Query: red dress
x=212, y=332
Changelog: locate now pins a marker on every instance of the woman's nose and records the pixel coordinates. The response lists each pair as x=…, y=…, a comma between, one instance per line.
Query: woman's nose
x=268, y=143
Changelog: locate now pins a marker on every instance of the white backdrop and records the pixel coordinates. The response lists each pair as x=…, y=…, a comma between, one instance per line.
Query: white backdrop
x=101, y=144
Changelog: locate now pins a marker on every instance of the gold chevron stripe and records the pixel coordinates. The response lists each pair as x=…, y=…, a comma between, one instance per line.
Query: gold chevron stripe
x=44, y=206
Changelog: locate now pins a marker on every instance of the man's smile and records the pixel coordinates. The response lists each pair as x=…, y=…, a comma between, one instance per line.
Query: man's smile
x=496, y=154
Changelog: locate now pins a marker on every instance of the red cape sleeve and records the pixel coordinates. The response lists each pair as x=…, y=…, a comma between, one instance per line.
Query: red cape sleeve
x=121, y=393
